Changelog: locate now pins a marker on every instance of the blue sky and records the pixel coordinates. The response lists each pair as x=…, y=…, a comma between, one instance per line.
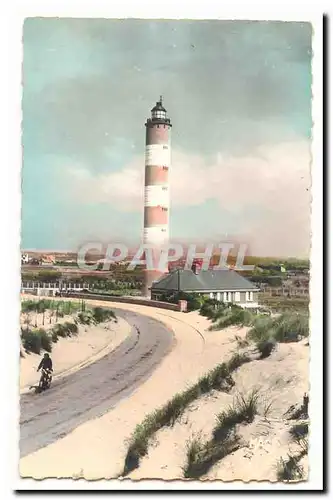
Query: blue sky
x=239, y=97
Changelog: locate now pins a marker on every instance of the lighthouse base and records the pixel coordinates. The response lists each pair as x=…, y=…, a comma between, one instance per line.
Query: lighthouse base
x=150, y=277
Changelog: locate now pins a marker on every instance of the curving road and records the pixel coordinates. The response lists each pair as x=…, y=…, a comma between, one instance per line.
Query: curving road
x=93, y=390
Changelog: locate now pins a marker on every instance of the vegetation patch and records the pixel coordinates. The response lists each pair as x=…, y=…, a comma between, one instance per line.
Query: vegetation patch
x=64, y=330
x=229, y=316
x=266, y=347
x=36, y=340
x=219, y=379
x=290, y=469
x=201, y=456
x=101, y=314
x=299, y=431
x=287, y=327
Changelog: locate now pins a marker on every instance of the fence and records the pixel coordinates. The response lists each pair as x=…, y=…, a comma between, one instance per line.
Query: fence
x=127, y=300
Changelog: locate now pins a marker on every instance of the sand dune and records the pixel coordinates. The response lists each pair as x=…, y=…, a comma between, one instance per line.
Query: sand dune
x=71, y=352
x=283, y=378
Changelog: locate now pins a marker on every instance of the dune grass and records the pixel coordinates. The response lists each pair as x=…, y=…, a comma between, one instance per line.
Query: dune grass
x=228, y=316
x=61, y=306
x=201, y=456
x=219, y=378
x=35, y=340
x=290, y=469
x=299, y=431
x=288, y=327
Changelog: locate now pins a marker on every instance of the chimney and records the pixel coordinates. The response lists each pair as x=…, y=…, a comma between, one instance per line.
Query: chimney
x=195, y=268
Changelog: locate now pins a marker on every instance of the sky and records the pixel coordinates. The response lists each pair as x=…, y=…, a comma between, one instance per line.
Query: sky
x=238, y=94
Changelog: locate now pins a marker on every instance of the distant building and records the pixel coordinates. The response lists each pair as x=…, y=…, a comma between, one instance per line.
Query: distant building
x=24, y=258
x=223, y=285
x=48, y=260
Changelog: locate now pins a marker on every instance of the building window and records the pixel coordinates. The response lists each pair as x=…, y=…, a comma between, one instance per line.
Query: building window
x=211, y=295
x=218, y=295
x=225, y=297
x=165, y=147
x=249, y=296
x=237, y=296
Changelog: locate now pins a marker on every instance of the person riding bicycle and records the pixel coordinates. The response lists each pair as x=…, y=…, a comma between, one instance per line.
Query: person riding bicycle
x=46, y=366
x=46, y=363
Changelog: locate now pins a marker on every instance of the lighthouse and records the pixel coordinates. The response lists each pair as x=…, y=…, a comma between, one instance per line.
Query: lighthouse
x=156, y=196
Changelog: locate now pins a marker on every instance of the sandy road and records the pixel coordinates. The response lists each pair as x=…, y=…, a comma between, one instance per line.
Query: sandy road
x=94, y=390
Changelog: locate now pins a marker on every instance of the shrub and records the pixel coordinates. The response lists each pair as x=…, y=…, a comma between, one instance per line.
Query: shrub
x=54, y=336
x=45, y=338
x=265, y=347
x=288, y=327
x=233, y=315
x=31, y=341
x=209, y=307
x=71, y=328
x=85, y=317
x=28, y=306
x=261, y=328
x=194, y=302
x=101, y=314
x=64, y=330
x=299, y=431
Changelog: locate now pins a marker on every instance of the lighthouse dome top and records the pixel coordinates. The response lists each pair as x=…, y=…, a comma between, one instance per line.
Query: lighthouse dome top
x=158, y=115
x=159, y=107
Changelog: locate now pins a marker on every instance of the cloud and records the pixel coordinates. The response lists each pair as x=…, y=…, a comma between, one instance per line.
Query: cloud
x=226, y=84
x=269, y=191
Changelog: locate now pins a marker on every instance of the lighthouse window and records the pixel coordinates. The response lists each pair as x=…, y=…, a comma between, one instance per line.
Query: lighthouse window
x=159, y=114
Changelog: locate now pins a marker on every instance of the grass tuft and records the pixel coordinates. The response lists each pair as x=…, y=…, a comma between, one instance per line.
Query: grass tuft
x=288, y=327
x=219, y=379
x=201, y=456
x=266, y=347
x=290, y=469
x=299, y=431
x=36, y=340
x=243, y=410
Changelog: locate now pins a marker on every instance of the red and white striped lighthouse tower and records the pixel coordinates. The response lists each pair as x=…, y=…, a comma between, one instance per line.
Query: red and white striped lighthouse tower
x=156, y=204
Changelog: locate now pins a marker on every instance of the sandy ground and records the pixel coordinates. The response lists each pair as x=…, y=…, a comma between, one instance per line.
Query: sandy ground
x=196, y=351
x=76, y=351
x=282, y=380
x=191, y=356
